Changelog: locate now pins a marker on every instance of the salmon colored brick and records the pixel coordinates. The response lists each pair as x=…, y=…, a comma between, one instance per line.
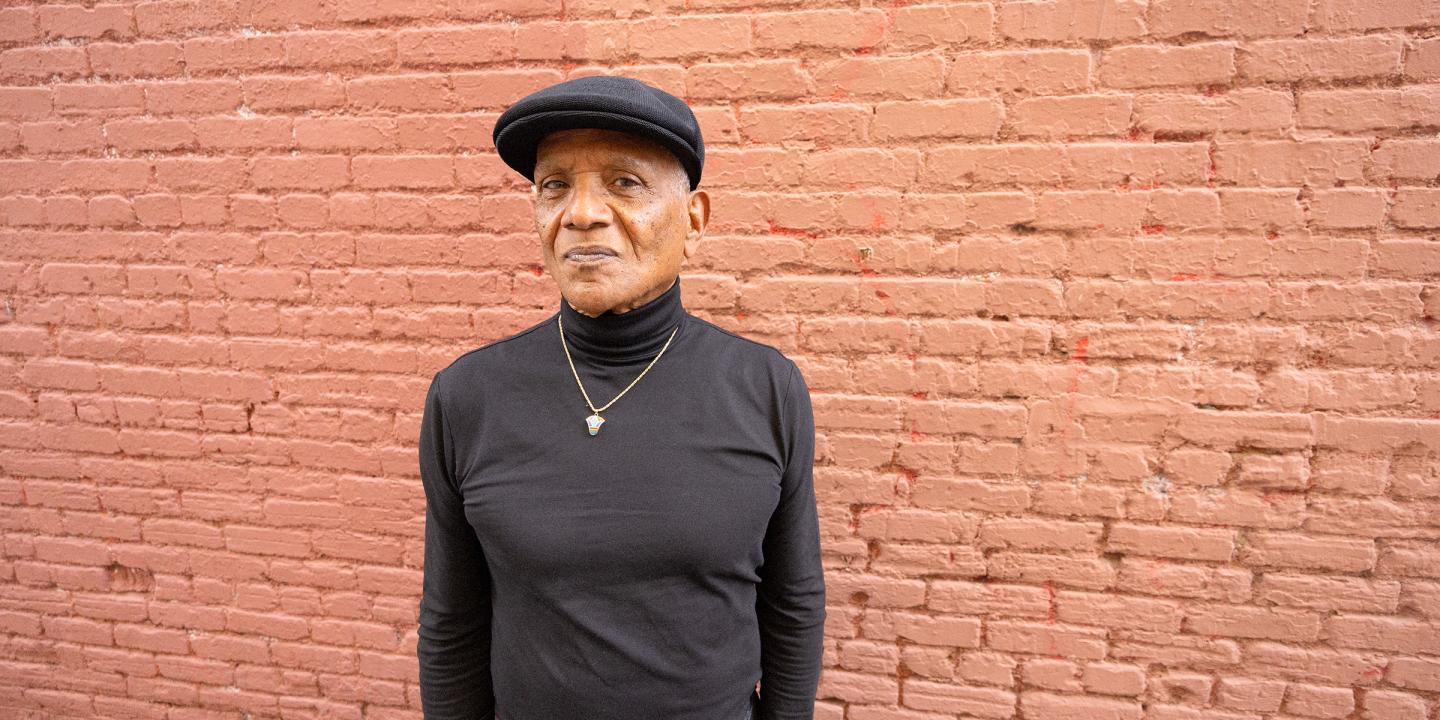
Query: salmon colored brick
x=1072, y=20
x=1368, y=109
x=1075, y=116
x=1182, y=688
x=25, y=102
x=1415, y=673
x=1330, y=592
x=1416, y=208
x=860, y=688
x=1036, y=72
x=1251, y=110
x=1113, y=679
x=21, y=24
x=1182, y=543
x=1422, y=60
x=1111, y=611
x=766, y=79
x=987, y=668
x=481, y=43
x=1250, y=694
x=1054, y=706
x=1405, y=159
x=978, y=701
x=937, y=25
x=1218, y=18
x=139, y=59
x=34, y=63
x=1045, y=638
x=862, y=656
x=352, y=47
x=680, y=37
x=915, y=76
x=1138, y=66
x=924, y=629
x=1240, y=621
x=1318, y=701
x=1347, y=208
x=1335, y=15
x=766, y=125
x=1052, y=674
x=1343, y=58
x=791, y=31
x=962, y=117
x=1392, y=704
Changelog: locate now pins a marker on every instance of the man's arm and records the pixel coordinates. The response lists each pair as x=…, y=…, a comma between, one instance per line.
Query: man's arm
x=454, y=644
x=790, y=603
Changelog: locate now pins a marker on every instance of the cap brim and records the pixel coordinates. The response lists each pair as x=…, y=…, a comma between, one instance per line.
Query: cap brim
x=517, y=142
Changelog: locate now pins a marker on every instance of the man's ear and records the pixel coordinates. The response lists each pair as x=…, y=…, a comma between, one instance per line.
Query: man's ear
x=699, y=210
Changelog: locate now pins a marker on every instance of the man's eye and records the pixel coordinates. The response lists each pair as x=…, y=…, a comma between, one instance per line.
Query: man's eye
x=548, y=184
x=632, y=181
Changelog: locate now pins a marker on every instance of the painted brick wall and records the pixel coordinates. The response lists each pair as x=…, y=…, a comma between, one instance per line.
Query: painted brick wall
x=1120, y=319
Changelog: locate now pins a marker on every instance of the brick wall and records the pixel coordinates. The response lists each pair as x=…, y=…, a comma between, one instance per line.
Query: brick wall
x=1119, y=318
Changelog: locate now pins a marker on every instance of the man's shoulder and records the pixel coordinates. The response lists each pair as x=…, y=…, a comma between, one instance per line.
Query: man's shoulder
x=744, y=349
x=749, y=363
x=496, y=354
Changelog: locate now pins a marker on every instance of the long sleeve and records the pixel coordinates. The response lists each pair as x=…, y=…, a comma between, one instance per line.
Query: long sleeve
x=454, y=632
x=790, y=603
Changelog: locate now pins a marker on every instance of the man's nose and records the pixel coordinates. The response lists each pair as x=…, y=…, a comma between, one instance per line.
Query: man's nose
x=587, y=206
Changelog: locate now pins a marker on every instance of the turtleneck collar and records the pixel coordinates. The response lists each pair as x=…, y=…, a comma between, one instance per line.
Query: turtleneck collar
x=632, y=335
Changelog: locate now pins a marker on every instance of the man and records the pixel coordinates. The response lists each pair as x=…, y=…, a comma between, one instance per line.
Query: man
x=620, y=518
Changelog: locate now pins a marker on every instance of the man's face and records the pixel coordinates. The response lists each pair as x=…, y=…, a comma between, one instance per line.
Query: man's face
x=626, y=198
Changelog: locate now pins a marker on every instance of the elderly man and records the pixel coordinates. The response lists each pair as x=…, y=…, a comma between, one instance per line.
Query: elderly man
x=620, y=519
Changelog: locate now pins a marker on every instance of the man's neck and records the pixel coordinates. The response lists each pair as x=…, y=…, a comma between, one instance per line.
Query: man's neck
x=624, y=308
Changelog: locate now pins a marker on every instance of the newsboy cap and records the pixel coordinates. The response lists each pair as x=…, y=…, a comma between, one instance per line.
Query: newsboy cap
x=612, y=102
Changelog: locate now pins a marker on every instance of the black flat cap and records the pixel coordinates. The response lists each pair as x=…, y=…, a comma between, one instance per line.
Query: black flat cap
x=610, y=102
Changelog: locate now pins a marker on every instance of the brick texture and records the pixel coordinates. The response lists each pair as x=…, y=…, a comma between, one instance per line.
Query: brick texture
x=1121, y=320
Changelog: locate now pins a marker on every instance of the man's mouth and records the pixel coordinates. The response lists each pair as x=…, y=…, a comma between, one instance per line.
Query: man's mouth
x=589, y=254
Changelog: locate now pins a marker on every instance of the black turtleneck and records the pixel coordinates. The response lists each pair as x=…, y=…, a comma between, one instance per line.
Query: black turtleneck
x=654, y=571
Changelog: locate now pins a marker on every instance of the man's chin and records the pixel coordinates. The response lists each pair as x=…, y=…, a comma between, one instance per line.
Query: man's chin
x=589, y=295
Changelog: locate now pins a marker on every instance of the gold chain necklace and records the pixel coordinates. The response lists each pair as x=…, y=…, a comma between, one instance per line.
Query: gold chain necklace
x=594, y=421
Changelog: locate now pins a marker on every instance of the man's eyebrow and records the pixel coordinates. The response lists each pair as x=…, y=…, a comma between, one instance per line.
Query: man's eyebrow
x=544, y=166
x=619, y=163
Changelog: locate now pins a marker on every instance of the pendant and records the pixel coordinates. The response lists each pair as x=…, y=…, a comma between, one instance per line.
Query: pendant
x=594, y=422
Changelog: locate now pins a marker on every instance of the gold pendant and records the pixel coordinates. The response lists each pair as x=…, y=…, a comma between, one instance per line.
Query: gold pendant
x=594, y=422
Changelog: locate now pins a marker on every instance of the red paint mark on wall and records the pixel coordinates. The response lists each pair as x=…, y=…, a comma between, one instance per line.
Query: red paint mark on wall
x=1082, y=349
x=1052, y=613
x=885, y=299
x=1079, y=359
x=777, y=229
